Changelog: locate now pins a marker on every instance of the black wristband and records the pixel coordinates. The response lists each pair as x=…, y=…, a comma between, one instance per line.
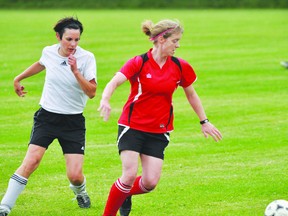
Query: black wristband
x=204, y=121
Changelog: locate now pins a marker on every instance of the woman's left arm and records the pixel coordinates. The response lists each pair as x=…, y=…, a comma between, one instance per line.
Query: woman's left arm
x=89, y=87
x=195, y=102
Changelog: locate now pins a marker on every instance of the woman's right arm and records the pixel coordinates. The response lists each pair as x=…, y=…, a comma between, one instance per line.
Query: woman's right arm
x=30, y=71
x=105, y=107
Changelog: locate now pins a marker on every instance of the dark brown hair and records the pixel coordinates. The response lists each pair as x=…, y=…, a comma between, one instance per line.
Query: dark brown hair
x=68, y=22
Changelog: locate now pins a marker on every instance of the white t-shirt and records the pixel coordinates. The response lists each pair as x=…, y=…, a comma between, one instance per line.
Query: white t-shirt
x=61, y=93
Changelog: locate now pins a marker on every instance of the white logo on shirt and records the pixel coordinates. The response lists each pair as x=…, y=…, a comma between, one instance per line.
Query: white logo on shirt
x=149, y=76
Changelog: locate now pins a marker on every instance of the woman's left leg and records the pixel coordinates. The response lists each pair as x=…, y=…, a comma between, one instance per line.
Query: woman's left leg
x=151, y=173
x=74, y=169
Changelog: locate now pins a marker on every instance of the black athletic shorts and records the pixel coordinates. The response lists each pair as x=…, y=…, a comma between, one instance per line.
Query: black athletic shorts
x=68, y=129
x=152, y=144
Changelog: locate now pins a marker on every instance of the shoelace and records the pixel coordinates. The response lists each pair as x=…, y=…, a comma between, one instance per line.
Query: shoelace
x=82, y=198
x=82, y=195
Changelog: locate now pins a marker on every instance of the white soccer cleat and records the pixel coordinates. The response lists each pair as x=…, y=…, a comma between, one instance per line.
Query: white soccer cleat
x=4, y=210
x=284, y=64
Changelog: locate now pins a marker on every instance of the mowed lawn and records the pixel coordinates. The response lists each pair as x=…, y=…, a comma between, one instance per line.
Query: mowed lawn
x=236, y=55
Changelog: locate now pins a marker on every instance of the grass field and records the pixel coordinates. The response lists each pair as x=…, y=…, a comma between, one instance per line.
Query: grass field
x=236, y=55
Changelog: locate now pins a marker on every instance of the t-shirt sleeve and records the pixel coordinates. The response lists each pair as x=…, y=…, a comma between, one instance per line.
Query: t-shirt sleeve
x=90, y=72
x=188, y=75
x=43, y=56
x=131, y=67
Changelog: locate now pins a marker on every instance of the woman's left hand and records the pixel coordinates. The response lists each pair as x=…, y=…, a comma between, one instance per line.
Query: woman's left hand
x=210, y=129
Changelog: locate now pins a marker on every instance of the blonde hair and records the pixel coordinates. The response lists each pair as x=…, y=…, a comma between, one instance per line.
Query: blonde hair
x=163, y=28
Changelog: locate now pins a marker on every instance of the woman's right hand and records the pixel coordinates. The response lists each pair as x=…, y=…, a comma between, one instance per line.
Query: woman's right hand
x=104, y=109
x=19, y=89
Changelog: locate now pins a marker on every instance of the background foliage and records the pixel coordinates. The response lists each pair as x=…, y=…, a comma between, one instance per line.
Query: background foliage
x=161, y=4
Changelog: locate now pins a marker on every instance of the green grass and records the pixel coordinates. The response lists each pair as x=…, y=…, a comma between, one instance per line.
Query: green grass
x=236, y=55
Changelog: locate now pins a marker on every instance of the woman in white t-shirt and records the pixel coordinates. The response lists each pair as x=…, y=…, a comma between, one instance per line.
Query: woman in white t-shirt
x=70, y=80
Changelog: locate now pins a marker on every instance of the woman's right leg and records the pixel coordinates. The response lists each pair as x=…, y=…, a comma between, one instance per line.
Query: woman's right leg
x=121, y=188
x=19, y=179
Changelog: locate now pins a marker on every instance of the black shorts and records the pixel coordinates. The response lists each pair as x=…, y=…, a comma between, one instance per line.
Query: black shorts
x=152, y=144
x=68, y=129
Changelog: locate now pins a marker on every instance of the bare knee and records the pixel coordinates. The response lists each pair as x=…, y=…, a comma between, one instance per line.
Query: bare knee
x=75, y=178
x=28, y=166
x=150, y=183
x=31, y=161
x=128, y=178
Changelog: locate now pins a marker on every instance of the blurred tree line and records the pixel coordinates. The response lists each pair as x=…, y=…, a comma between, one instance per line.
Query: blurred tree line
x=148, y=4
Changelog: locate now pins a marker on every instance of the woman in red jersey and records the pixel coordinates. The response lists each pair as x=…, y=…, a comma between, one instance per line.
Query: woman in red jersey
x=147, y=117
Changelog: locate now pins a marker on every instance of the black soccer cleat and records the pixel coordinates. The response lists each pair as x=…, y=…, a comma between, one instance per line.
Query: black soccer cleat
x=126, y=207
x=83, y=200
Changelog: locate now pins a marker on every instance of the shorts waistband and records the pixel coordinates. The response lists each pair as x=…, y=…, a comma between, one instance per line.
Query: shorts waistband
x=46, y=111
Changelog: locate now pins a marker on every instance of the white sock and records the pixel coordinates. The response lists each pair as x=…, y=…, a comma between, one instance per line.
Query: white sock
x=80, y=188
x=16, y=185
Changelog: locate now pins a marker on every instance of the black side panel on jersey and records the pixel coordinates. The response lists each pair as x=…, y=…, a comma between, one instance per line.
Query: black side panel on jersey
x=145, y=59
